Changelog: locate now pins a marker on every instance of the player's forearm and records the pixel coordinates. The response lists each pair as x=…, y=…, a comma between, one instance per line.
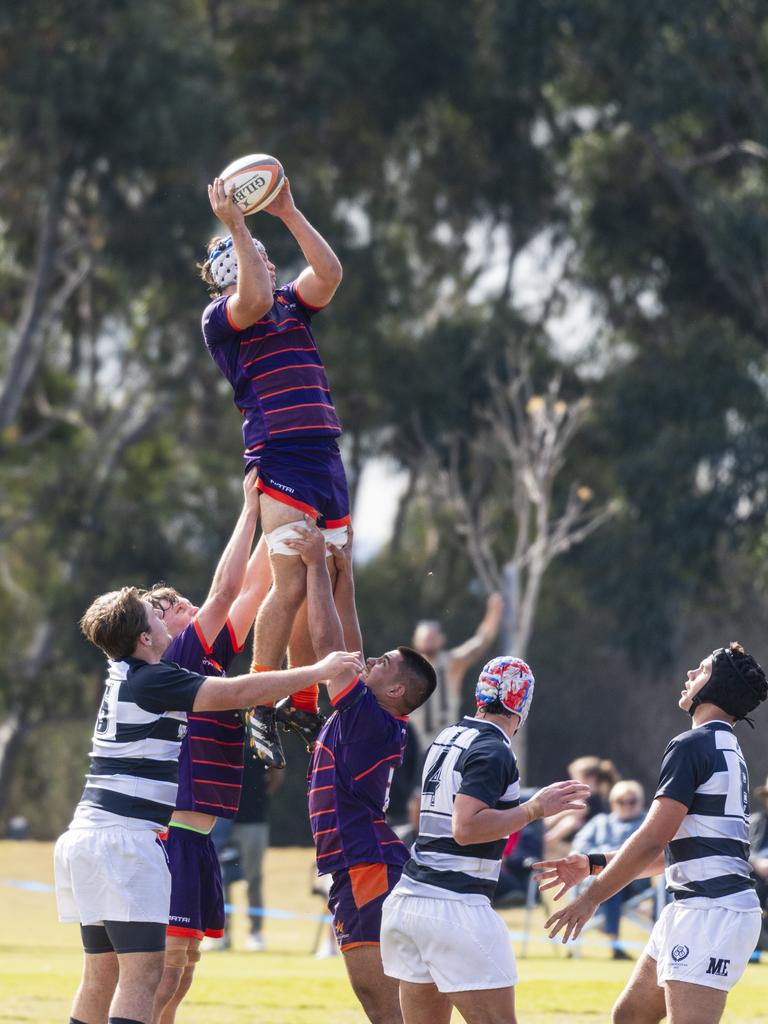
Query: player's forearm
x=317, y=252
x=640, y=857
x=254, y=287
x=258, y=688
x=325, y=630
x=258, y=580
x=488, y=825
x=230, y=572
x=346, y=606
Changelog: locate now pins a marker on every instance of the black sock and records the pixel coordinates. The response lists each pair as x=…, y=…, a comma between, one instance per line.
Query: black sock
x=74, y=1020
x=123, y=1020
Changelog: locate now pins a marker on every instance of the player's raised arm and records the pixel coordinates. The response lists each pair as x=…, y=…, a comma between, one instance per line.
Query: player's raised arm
x=344, y=594
x=473, y=648
x=228, y=579
x=317, y=283
x=258, y=580
x=254, y=292
x=325, y=629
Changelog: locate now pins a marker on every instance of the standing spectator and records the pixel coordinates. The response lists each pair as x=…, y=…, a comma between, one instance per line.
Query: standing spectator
x=607, y=832
x=250, y=836
x=450, y=667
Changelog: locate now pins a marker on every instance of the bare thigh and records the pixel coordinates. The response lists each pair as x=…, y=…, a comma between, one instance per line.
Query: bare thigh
x=275, y=513
x=642, y=1001
x=424, y=1004
x=694, y=1004
x=486, y=1006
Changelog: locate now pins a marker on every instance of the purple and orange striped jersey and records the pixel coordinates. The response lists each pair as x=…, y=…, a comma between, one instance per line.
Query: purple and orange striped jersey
x=211, y=758
x=275, y=370
x=350, y=773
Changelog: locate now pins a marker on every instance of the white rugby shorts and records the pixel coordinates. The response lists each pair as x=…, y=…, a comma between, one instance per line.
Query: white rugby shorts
x=456, y=946
x=703, y=946
x=111, y=874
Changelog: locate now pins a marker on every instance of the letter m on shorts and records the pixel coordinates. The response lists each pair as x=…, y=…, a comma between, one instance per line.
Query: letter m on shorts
x=719, y=967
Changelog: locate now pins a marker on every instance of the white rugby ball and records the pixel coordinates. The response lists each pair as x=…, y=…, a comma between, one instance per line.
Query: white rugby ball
x=255, y=181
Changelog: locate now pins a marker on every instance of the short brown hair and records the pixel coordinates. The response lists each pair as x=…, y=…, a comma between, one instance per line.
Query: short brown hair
x=160, y=594
x=115, y=621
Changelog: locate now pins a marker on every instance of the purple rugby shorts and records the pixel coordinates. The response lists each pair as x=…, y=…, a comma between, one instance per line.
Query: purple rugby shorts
x=197, y=896
x=308, y=475
x=355, y=901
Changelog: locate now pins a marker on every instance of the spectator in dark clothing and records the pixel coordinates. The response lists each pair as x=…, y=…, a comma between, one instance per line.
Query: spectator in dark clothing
x=242, y=846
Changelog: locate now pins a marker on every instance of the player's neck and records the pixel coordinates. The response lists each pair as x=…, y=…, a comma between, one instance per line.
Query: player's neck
x=507, y=724
x=148, y=655
x=710, y=713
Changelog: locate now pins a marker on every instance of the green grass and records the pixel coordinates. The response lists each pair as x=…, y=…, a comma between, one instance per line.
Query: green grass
x=40, y=963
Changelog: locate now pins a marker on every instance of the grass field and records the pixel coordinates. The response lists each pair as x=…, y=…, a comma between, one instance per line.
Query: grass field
x=40, y=962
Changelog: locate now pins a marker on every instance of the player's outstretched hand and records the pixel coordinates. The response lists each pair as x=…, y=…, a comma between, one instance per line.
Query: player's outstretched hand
x=340, y=667
x=560, y=796
x=224, y=206
x=310, y=544
x=566, y=872
x=571, y=919
x=283, y=203
x=342, y=556
x=251, y=491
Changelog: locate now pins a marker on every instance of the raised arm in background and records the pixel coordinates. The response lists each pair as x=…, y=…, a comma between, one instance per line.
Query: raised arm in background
x=318, y=282
x=473, y=648
x=228, y=579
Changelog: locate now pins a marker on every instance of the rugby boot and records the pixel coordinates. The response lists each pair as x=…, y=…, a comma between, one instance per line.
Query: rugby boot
x=263, y=738
x=306, y=724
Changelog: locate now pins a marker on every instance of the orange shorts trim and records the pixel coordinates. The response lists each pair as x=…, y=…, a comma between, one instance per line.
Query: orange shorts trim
x=369, y=881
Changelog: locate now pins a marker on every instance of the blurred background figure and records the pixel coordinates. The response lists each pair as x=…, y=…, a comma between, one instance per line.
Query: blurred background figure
x=758, y=842
x=18, y=828
x=451, y=666
x=241, y=845
x=600, y=775
x=605, y=832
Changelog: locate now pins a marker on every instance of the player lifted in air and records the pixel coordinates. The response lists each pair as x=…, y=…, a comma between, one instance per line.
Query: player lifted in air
x=352, y=764
x=439, y=935
x=260, y=337
x=698, y=828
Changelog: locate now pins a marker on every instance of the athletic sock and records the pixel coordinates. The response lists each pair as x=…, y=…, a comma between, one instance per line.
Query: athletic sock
x=74, y=1020
x=306, y=699
x=256, y=667
x=123, y=1020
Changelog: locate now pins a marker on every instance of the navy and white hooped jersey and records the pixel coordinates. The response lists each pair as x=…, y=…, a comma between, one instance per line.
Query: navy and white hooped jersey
x=708, y=859
x=473, y=758
x=134, y=767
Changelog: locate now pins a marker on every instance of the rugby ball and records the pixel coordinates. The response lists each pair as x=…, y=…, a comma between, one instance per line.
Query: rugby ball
x=255, y=181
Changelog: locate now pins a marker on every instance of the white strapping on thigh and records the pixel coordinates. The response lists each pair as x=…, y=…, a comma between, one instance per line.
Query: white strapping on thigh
x=288, y=531
x=336, y=535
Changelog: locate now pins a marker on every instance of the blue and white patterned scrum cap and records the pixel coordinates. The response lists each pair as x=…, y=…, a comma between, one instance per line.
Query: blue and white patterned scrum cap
x=508, y=680
x=223, y=262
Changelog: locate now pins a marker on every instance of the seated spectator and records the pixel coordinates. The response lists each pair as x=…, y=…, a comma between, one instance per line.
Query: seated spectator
x=523, y=849
x=560, y=829
x=605, y=832
x=758, y=841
